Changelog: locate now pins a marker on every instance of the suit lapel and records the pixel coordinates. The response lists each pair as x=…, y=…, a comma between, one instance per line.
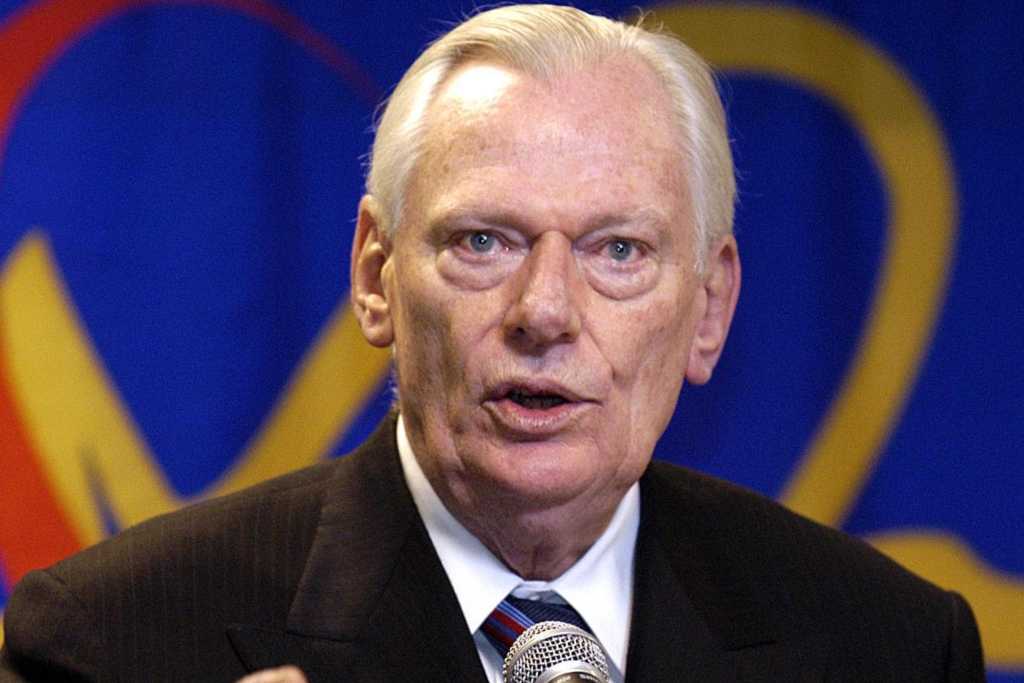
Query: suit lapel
x=374, y=602
x=671, y=636
x=698, y=614
x=669, y=640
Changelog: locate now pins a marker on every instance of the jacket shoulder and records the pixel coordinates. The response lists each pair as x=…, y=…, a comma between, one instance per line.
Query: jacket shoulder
x=276, y=517
x=155, y=601
x=738, y=551
x=733, y=520
x=161, y=592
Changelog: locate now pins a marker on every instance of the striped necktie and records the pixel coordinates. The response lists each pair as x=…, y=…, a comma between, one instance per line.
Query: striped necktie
x=514, y=615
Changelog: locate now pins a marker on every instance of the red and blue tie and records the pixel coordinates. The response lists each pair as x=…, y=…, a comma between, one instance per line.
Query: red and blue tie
x=514, y=615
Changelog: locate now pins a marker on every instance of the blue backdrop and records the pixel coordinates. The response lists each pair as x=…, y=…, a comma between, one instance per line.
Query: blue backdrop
x=178, y=182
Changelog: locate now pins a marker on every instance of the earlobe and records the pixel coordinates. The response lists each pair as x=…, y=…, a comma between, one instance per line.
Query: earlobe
x=721, y=289
x=371, y=254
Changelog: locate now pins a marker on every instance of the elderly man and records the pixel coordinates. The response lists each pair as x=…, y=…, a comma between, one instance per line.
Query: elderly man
x=546, y=245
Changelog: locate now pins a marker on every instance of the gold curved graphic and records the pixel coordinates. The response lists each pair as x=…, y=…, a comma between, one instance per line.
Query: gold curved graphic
x=81, y=427
x=908, y=147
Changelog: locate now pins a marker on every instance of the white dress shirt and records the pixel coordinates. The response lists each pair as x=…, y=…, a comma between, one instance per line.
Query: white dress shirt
x=599, y=585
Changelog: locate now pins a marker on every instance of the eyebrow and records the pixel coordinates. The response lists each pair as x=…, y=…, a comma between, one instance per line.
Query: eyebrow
x=489, y=217
x=643, y=215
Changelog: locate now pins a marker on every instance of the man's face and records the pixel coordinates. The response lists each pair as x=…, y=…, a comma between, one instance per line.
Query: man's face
x=541, y=290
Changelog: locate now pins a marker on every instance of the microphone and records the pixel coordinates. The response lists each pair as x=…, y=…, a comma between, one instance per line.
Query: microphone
x=555, y=652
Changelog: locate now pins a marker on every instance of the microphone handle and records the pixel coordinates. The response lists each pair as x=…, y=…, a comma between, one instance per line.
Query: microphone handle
x=575, y=677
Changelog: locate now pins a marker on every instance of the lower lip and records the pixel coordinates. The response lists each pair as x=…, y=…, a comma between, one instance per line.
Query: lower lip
x=535, y=423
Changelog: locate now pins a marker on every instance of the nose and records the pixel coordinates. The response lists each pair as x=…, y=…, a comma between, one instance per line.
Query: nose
x=546, y=309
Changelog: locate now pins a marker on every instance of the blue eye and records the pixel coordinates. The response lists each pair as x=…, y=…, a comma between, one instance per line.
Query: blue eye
x=482, y=242
x=620, y=250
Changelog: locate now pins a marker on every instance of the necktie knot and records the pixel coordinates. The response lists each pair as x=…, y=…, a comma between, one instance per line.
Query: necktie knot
x=514, y=615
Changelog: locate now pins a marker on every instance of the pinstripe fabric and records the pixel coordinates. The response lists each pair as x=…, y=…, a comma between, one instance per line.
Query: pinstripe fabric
x=154, y=604
x=331, y=569
x=323, y=567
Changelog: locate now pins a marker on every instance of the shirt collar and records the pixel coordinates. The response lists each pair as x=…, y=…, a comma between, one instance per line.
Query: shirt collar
x=599, y=585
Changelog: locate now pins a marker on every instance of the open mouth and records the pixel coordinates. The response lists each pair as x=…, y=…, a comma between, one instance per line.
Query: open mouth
x=536, y=401
x=536, y=408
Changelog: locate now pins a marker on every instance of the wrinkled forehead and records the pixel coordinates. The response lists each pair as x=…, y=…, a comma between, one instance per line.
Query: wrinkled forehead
x=552, y=154
x=608, y=124
x=617, y=95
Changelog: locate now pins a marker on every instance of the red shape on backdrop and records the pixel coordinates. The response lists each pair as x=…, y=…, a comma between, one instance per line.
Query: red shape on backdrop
x=31, y=40
x=36, y=36
x=40, y=534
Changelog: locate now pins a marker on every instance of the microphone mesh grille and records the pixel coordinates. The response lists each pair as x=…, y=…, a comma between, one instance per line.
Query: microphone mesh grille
x=548, y=643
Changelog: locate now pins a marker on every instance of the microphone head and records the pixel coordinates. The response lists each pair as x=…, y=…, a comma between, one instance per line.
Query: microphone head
x=553, y=651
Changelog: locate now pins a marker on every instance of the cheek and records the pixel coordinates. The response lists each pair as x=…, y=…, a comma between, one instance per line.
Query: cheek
x=648, y=342
x=421, y=333
x=440, y=339
x=423, y=337
x=648, y=353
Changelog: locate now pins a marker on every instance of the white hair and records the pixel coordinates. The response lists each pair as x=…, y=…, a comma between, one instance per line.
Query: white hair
x=546, y=41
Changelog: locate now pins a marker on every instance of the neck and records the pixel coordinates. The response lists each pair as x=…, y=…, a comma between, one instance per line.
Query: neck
x=536, y=539
x=537, y=545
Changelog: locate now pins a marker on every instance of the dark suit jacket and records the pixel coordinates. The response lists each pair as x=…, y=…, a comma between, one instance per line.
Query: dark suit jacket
x=330, y=568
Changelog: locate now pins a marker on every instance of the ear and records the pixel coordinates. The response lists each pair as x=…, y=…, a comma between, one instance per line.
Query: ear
x=371, y=254
x=721, y=287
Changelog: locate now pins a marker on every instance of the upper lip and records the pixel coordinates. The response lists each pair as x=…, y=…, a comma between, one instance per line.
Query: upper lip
x=534, y=386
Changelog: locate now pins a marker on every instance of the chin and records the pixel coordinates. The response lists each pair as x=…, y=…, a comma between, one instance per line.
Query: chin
x=539, y=475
